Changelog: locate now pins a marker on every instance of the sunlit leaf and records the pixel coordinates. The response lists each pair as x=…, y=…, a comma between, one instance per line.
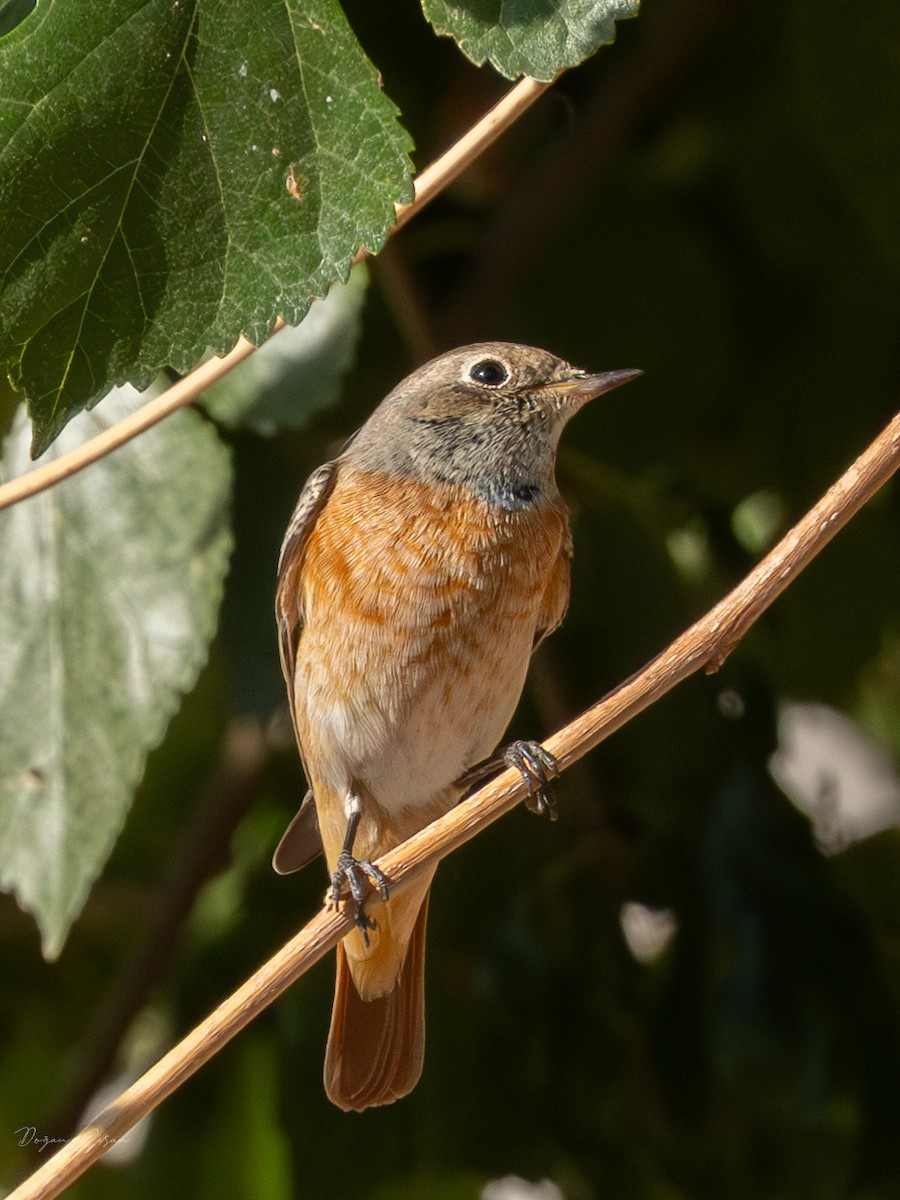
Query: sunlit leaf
x=108, y=598
x=174, y=173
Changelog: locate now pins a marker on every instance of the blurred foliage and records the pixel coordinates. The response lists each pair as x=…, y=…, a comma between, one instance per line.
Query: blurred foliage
x=712, y=199
x=102, y=630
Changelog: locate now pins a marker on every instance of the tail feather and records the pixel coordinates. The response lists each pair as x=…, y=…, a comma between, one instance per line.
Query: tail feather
x=376, y=1047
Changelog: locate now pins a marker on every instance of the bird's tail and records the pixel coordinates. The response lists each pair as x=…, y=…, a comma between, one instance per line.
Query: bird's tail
x=375, y=1046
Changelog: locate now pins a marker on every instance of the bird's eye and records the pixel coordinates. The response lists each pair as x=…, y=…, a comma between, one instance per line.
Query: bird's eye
x=490, y=372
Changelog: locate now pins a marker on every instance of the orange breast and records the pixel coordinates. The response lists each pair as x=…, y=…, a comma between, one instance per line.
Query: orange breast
x=420, y=606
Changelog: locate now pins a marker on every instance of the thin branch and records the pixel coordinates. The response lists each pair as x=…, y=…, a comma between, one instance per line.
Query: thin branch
x=706, y=644
x=429, y=184
x=432, y=181
x=184, y=392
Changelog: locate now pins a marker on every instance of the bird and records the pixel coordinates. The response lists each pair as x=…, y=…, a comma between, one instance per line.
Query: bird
x=420, y=569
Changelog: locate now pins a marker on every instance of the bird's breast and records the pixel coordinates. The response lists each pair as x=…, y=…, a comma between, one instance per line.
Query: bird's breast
x=419, y=604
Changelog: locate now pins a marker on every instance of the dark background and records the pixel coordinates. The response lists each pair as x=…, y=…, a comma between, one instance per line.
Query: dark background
x=714, y=199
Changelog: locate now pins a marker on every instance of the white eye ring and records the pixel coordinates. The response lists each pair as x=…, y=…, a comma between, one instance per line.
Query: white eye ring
x=489, y=372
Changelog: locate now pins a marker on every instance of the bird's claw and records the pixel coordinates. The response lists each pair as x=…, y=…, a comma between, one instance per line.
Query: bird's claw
x=355, y=875
x=538, y=768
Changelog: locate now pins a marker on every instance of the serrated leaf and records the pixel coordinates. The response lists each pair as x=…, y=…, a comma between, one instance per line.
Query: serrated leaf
x=174, y=173
x=539, y=38
x=108, y=599
x=299, y=371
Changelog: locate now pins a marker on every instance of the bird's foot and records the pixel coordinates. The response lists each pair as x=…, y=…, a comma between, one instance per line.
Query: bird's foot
x=538, y=768
x=355, y=875
x=536, y=765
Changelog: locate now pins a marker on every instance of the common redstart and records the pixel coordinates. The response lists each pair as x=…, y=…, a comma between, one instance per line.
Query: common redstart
x=420, y=569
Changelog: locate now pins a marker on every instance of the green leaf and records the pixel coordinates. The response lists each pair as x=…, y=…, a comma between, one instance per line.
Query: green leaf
x=174, y=173
x=298, y=372
x=9, y=402
x=108, y=599
x=539, y=38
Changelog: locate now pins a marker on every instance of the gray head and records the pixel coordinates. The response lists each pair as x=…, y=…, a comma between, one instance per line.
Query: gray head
x=487, y=416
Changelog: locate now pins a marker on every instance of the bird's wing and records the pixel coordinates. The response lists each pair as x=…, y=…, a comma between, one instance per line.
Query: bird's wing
x=301, y=841
x=288, y=613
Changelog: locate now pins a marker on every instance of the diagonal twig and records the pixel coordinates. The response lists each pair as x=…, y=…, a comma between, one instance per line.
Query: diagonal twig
x=705, y=645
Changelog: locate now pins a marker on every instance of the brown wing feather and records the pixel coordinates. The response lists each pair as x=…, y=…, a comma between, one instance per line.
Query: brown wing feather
x=301, y=841
x=312, y=499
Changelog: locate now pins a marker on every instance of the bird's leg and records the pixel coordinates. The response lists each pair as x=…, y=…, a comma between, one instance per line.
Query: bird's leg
x=354, y=873
x=536, y=765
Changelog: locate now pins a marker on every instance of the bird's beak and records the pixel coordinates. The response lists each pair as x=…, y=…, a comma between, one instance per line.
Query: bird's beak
x=575, y=391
